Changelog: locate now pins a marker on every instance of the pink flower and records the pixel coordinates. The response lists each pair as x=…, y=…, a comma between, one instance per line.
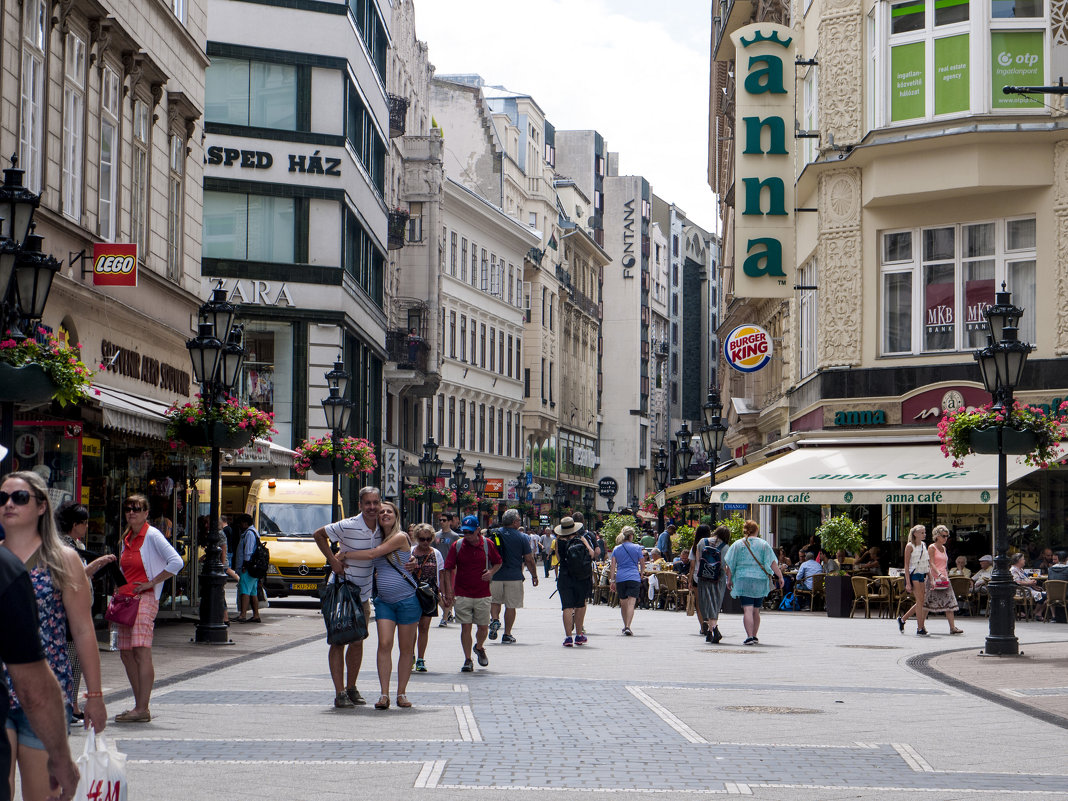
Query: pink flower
x=96, y=391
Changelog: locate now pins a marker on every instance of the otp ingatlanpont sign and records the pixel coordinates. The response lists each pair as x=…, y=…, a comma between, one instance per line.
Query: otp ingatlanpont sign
x=747, y=348
x=114, y=265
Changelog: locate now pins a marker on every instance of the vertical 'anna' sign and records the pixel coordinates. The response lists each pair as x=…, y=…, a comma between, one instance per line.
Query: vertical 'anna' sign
x=764, y=161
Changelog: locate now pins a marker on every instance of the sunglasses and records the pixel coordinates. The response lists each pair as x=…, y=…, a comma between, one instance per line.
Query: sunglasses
x=423, y=539
x=18, y=497
x=132, y=508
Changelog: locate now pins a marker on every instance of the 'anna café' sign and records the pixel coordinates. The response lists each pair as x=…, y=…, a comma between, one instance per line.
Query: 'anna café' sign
x=764, y=161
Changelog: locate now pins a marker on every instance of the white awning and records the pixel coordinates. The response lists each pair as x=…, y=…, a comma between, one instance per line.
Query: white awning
x=133, y=414
x=872, y=474
x=261, y=451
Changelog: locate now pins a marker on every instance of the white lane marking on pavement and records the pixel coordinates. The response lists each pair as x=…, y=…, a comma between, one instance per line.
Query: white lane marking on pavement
x=865, y=745
x=435, y=775
x=666, y=716
x=1011, y=692
x=737, y=788
x=912, y=758
x=459, y=688
x=465, y=719
x=430, y=774
x=461, y=722
x=955, y=790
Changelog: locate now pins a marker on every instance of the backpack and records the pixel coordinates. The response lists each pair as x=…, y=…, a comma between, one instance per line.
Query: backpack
x=711, y=563
x=790, y=603
x=577, y=560
x=257, y=564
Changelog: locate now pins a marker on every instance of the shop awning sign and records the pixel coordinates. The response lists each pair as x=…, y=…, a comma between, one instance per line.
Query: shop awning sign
x=114, y=264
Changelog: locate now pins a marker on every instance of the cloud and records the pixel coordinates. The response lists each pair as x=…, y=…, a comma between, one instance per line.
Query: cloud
x=635, y=72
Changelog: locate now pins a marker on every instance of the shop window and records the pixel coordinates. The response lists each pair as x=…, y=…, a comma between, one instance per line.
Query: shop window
x=249, y=227
x=267, y=373
x=937, y=281
x=253, y=93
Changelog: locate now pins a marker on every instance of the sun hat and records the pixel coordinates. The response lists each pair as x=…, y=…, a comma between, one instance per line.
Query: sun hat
x=470, y=523
x=567, y=527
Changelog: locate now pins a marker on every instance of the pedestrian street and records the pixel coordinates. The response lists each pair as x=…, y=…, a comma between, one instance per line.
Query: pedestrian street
x=823, y=708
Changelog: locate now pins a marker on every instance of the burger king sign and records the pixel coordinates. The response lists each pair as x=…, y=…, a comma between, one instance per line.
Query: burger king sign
x=747, y=348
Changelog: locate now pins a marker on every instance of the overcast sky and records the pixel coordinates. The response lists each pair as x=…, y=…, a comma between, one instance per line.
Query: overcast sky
x=635, y=71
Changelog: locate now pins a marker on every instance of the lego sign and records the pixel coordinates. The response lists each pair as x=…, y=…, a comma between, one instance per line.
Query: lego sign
x=114, y=265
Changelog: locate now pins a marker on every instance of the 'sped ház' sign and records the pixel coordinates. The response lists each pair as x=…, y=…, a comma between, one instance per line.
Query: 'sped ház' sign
x=114, y=265
x=764, y=161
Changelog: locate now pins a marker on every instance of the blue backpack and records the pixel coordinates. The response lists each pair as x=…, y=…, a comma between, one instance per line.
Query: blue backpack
x=711, y=565
x=790, y=603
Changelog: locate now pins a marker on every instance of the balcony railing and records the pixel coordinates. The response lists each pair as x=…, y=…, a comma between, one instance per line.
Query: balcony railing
x=398, y=115
x=410, y=352
x=398, y=225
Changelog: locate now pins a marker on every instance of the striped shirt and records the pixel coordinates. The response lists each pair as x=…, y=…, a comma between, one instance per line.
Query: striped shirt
x=393, y=586
x=354, y=535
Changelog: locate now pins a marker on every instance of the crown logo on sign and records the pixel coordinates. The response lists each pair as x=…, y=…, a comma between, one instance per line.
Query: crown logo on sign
x=759, y=37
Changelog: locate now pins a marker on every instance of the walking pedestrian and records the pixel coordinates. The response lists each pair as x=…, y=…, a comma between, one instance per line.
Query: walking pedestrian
x=710, y=577
x=354, y=533
x=248, y=588
x=938, y=592
x=397, y=610
x=444, y=537
x=917, y=566
x=471, y=564
x=752, y=569
x=625, y=574
x=426, y=565
x=574, y=581
x=547, y=549
x=506, y=589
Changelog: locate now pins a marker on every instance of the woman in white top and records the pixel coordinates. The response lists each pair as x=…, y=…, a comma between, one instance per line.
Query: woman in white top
x=917, y=564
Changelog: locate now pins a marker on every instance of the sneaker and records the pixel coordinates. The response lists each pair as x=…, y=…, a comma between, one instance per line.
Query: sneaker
x=444, y=624
x=901, y=625
x=354, y=696
x=483, y=660
x=749, y=641
x=342, y=701
x=580, y=640
x=507, y=638
x=627, y=632
x=469, y=666
x=922, y=632
x=495, y=626
x=568, y=642
x=420, y=666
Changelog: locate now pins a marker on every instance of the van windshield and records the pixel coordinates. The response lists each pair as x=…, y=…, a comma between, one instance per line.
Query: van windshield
x=293, y=519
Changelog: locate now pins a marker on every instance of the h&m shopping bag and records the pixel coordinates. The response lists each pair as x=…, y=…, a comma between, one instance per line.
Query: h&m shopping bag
x=103, y=771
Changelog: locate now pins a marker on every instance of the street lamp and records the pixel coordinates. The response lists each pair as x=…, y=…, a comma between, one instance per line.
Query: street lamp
x=662, y=475
x=429, y=467
x=216, y=367
x=560, y=495
x=478, y=483
x=337, y=409
x=1001, y=365
x=712, y=435
x=459, y=479
x=587, y=500
x=521, y=489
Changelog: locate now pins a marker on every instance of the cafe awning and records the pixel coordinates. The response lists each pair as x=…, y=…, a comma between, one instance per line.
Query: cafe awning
x=722, y=474
x=133, y=414
x=870, y=474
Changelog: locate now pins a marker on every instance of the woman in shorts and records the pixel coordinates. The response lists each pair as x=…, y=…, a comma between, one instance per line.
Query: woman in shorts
x=625, y=576
x=752, y=567
x=397, y=610
x=425, y=564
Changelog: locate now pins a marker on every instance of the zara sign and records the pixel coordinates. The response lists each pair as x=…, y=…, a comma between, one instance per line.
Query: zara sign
x=764, y=161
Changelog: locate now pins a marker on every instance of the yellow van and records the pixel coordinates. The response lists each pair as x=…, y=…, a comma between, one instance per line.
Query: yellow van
x=286, y=512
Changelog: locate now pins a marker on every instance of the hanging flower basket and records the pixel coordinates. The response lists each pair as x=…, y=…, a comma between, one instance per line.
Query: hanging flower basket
x=1026, y=431
x=1013, y=440
x=323, y=465
x=229, y=424
x=27, y=384
x=354, y=455
x=208, y=435
x=50, y=369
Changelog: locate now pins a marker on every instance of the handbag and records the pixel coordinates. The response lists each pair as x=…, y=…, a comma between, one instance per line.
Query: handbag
x=102, y=769
x=424, y=592
x=122, y=609
x=342, y=611
x=940, y=583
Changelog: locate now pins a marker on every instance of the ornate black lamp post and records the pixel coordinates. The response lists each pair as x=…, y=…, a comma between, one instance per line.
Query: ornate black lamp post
x=559, y=498
x=610, y=503
x=1001, y=364
x=587, y=501
x=712, y=436
x=478, y=483
x=662, y=476
x=338, y=409
x=429, y=467
x=216, y=367
x=459, y=479
x=521, y=489
x=25, y=280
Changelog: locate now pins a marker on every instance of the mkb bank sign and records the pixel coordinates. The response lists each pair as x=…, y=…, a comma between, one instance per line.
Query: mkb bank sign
x=764, y=161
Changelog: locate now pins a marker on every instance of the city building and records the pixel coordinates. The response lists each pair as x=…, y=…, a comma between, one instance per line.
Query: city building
x=102, y=103
x=297, y=126
x=919, y=189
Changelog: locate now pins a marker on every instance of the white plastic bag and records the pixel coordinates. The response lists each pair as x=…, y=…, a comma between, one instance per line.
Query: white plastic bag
x=103, y=771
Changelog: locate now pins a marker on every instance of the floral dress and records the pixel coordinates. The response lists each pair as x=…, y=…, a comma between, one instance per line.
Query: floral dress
x=427, y=570
x=52, y=617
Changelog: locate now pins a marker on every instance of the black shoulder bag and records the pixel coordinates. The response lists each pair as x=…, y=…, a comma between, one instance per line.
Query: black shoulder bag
x=424, y=592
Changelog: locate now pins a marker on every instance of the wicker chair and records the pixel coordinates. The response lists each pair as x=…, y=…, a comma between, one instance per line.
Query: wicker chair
x=869, y=592
x=962, y=588
x=816, y=595
x=1055, y=597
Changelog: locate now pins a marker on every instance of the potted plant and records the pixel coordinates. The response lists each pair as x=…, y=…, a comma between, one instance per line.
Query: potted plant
x=840, y=533
x=613, y=524
x=1025, y=431
x=35, y=370
x=354, y=455
x=683, y=539
x=228, y=424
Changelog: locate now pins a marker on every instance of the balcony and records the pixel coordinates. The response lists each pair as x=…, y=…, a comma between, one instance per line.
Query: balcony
x=408, y=351
x=398, y=225
x=730, y=15
x=662, y=348
x=398, y=115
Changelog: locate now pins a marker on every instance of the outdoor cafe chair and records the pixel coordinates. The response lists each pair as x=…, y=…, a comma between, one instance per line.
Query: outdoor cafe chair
x=962, y=588
x=1024, y=603
x=816, y=594
x=864, y=592
x=1056, y=591
x=667, y=596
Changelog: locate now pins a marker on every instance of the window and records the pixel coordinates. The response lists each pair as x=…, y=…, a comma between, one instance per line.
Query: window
x=532, y=221
x=175, y=207
x=509, y=354
x=253, y=93
x=109, y=143
x=492, y=415
x=511, y=284
x=372, y=31
x=178, y=7
x=526, y=382
x=139, y=182
x=484, y=283
x=73, y=125
x=945, y=57
x=363, y=137
x=809, y=330
x=452, y=335
x=474, y=264
x=362, y=258
x=452, y=422
x=452, y=254
x=463, y=421
x=544, y=297
x=937, y=281
x=492, y=349
x=415, y=221
x=811, y=117
x=551, y=401
x=482, y=345
x=471, y=427
x=481, y=427
x=463, y=337
x=552, y=305
x=518, y=361
x=249, y=227
x=543, y=398
x=31, y=114
x=463, y=260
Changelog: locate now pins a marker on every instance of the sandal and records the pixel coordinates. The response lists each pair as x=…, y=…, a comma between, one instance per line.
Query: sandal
x=134, y=717
x=403, y=702
x=383, y=702
x=254, y=620
x=956, y=631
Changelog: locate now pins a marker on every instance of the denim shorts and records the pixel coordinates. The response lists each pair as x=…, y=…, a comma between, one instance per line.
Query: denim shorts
x=402, y=613
x=750, y=600
x=920, y=577
x=20, y=724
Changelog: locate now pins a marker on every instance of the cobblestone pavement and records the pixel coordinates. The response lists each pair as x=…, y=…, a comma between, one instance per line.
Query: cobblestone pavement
x=822, y=709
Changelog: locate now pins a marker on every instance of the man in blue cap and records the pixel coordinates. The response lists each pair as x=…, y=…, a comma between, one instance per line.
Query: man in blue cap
x=469, y=567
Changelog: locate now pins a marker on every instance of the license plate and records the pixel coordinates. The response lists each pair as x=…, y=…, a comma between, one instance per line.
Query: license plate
x=306, y=586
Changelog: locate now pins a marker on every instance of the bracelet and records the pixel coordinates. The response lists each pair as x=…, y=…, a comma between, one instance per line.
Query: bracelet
x=94, y=695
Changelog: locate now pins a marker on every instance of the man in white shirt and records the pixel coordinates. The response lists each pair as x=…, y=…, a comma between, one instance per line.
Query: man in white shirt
x=981, y=577
x=357, y=533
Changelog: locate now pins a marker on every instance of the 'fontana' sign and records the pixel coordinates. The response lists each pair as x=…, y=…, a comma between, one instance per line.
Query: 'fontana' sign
x=764, y=161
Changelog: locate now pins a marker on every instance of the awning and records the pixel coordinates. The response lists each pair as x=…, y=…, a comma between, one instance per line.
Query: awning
x=260, y=452
x=722, y=474
x=873, y=474
x=133, y=414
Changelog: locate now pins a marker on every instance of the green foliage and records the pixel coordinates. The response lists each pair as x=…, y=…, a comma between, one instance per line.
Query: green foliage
x=841, y=533
x=734, y=523
x=62, y=363
x=683, y=539
x=612, y=526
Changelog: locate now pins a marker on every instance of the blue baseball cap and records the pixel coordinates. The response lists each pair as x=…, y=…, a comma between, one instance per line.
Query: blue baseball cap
x=470, y=523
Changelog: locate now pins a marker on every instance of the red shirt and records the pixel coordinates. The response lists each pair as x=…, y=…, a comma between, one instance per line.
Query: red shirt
x=131, y=564
x=470, y=563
